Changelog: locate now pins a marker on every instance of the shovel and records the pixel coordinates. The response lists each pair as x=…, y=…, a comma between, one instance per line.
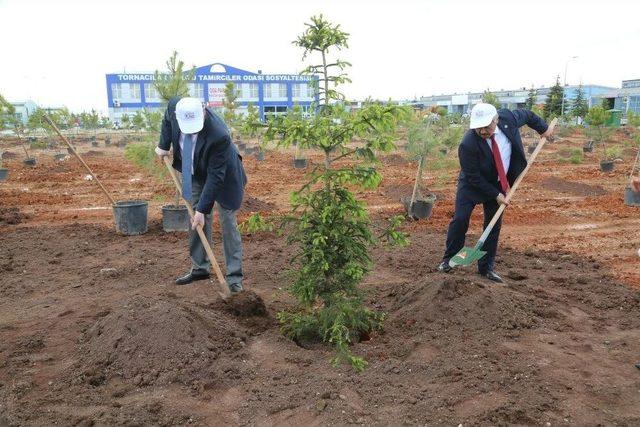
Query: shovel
x=468, y=255
x=224, y=288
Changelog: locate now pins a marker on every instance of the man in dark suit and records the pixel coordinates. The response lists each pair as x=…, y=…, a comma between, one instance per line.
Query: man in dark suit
x=491, y=158
x=212, y=172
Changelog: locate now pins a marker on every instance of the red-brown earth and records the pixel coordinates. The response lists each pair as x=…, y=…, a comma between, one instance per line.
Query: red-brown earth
x=93, y=331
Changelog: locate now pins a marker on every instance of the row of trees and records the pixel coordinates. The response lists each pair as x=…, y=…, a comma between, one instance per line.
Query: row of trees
x=578, y=107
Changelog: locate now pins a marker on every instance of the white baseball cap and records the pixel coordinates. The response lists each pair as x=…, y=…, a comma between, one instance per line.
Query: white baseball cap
x=481, y=115
x=190, y=115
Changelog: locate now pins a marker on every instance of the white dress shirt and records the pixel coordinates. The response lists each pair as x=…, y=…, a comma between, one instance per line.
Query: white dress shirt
x=504, y=146
x=161, y=152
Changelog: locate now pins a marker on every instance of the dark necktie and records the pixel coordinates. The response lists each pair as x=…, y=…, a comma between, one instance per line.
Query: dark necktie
x=504, y=183
x=186, y=166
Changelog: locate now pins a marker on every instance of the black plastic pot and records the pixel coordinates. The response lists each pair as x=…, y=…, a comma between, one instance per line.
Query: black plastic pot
x=242, y=145
x=250, y=150
x=175, y=218
x=421, y=208
x=131, y=217
x=59, y=157
x=606, y=165
x=631, y=197
x=532, y=147
x=259, y=155
x=31, y=161
x=94, y=143
x=300, y=163
x=107, y=142
x=4, y=173
x=587, y=147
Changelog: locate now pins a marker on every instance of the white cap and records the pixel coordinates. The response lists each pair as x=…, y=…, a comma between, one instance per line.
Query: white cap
x=190, y=115
x=481, y=115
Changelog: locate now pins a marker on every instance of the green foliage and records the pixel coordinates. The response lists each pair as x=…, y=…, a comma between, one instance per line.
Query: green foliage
x=553, y=104
x=152, y=120
x=126, y=121
x=173, y=82
x=576, y=156
x=532, y=98
x=328, y=225
x=256, y=223
x=138, y=121
x=229, y=105
x=633, y=119
x=249, y=126
x=490, y=98
x=580, y=106
x=142, y=154
x=613, y=153
x=597, y=118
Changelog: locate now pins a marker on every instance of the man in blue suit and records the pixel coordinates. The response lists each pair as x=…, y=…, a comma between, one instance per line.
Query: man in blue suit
x=491, y=158
x=212, y=172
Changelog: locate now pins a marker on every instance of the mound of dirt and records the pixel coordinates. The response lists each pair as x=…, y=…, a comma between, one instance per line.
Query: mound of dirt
x=11, y=215
x=247, y=303
x=252, y=204
x=160, y=342
x=9, y=155
x=470, y=305
x=394, y=160
x=574, y=188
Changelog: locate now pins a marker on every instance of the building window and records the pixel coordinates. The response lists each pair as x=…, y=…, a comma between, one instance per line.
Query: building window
x=238, y=90
x=134, y=92
x=196, y=90
x=253, y=90
x=116, y=90
x=150, y=92
x=282, y=90
x=274, y=110
x=267, y=92
x=301, y=90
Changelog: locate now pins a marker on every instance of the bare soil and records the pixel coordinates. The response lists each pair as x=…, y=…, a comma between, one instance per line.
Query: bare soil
x=93, y=331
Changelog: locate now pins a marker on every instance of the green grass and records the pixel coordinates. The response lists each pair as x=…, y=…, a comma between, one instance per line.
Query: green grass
x=142, y=154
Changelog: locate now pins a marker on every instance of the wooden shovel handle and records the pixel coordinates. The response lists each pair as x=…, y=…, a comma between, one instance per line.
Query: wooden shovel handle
x=207, y=247
x=513, y=189
x=75, y=153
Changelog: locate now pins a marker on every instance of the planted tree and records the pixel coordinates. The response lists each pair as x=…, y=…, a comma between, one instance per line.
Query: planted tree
x=532, y=98
x=230, y=106
x=633, y=122
x=553, y=104
x=580, y=106
x=9, y=120
x=597, y=118
x=491, y=98
x=175, y=80
x=427, y=136
x=330, y=226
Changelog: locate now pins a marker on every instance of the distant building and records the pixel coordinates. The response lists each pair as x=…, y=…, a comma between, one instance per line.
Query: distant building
x=516, y=98
x=272, y=94
x=24, y=109
x=625, y=99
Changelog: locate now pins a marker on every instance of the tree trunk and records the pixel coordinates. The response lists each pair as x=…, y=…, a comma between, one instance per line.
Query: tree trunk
x=415, y=186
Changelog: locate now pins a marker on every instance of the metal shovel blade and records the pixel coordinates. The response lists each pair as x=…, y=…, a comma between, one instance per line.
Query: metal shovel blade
x=466, y=256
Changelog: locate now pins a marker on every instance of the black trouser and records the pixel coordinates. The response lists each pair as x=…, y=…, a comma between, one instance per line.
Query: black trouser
x=460, y=224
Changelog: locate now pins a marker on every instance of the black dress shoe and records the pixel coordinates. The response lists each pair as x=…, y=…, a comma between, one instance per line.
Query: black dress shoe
x=191, y=277
x=491, y=275
x=444, y=267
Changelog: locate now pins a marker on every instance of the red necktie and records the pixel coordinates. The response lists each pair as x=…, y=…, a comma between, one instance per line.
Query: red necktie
x=504, y=183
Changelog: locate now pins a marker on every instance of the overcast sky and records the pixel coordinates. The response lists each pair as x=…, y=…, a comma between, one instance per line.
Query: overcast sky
x=58, y=52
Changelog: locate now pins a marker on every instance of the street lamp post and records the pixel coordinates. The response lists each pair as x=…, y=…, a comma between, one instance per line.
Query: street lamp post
x=565, y=83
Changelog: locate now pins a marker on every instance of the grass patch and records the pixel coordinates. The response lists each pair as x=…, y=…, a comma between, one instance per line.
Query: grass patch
x=143, y=155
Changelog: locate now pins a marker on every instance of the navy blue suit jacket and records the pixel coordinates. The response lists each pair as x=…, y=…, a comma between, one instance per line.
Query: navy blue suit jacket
x=217, y=165
x=478, y=179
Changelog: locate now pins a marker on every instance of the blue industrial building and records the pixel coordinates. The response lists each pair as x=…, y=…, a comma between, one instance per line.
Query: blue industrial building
x=272, y=94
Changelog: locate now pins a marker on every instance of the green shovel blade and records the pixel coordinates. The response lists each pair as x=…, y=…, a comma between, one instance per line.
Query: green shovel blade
x=466, y=256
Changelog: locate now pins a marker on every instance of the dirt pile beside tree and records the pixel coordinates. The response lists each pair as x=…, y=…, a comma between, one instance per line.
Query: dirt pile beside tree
x=161, y=342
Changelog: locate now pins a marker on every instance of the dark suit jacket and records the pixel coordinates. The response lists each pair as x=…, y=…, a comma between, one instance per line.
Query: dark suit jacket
x=478, y=179
x=216, y=161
